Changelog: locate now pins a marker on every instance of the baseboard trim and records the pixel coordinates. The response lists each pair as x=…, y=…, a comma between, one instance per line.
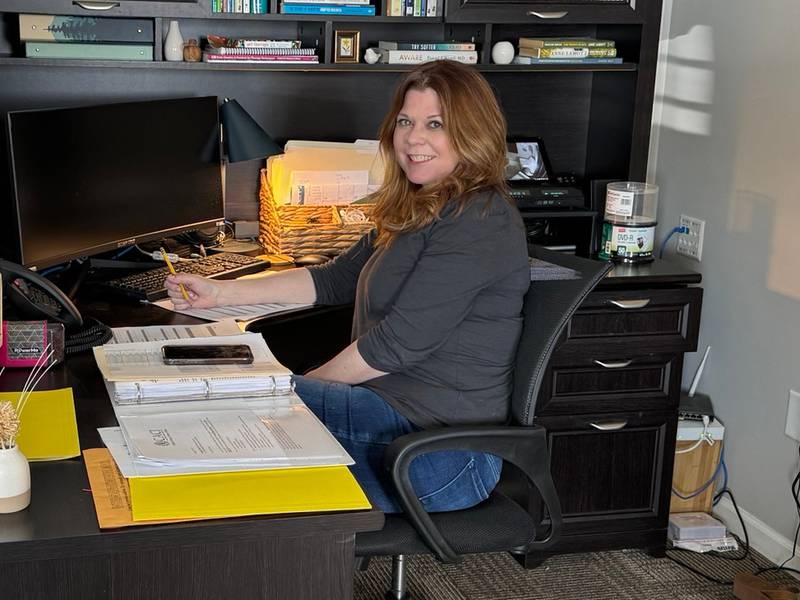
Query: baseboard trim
x=763, y=538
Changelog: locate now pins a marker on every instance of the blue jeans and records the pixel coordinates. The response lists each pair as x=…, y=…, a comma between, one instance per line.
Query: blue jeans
x=365, y=424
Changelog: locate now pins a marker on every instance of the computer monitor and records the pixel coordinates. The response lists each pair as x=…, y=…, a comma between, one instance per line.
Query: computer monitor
x=91, y=179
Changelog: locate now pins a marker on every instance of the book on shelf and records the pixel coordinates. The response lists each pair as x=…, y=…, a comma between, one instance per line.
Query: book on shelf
x=527, y=60
x=135, y=373
x=328, y=9
x=243, y=52
x=426, y=45
x=334, y=2
x=80, y=50
x=219, y=41
x=262, y=58
x=564, y=42
x=55, y=28
x=568, y=52
x=413, y=57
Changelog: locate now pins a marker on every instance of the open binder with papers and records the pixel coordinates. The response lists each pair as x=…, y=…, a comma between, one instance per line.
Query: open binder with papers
x=219, y=440
x=135, y=373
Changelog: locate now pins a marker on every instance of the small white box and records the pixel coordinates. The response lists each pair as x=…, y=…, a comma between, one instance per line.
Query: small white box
x=694, y=526
x=692, y=430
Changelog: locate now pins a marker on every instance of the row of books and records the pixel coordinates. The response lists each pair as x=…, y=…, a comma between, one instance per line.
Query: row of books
x=411, y=53
x=212, y=441
x=54, y=36
x=359, y=8
x=565, y=50
x=253, y=7
x=414, y=8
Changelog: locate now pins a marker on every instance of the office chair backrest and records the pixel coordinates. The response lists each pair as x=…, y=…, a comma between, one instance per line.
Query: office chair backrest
x=549, y=304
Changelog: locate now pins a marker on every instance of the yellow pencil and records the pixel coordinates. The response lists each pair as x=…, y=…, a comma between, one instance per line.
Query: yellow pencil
x=172, y=270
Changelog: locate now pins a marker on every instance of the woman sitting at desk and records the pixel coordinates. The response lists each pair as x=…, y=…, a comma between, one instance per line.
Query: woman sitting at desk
x=437, y=285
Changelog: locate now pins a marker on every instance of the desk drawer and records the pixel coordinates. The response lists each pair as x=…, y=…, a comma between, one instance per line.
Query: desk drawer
x=611, y=383
x=641, y=320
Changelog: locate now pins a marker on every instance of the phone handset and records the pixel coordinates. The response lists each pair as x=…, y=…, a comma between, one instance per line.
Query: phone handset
x=36, y=297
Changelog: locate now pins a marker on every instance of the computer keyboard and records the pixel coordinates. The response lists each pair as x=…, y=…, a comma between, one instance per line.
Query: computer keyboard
x=149, y=285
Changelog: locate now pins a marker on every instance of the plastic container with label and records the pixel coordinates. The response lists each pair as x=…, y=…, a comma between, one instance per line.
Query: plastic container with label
x=629, y=223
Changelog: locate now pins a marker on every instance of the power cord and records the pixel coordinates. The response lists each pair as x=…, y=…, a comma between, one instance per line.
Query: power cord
x=678, y=229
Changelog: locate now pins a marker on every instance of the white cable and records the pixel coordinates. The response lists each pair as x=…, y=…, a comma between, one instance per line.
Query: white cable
x=699, y=372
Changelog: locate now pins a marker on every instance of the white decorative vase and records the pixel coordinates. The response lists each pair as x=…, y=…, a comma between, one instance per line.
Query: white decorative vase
x=15, y=480
x=173, y=44
x=502, y=53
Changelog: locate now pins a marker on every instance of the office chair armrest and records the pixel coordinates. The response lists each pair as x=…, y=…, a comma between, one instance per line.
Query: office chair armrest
x=524, y=447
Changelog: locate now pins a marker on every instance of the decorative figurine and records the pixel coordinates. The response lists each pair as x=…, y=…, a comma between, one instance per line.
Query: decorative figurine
x=191, y=51
x=503, y=53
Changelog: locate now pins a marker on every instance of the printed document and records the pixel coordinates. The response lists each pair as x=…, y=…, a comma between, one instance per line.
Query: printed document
x=152, y=333
x=244, y=312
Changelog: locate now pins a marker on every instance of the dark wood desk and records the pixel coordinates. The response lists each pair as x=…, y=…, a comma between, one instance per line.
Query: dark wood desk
x=54, y=549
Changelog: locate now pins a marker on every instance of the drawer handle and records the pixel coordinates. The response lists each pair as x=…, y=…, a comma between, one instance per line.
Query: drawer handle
x=548, y=15
x=631, y=303
x=617, y=364
x=610, y=425
x=97, y=5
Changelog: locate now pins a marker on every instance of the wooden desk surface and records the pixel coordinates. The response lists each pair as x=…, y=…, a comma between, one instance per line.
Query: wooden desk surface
x=60, y=524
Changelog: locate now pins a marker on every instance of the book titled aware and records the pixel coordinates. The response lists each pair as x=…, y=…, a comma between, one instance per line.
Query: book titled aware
x=564, y=43
x=100, y=51
x=426, y=45
x=54, y=28
x=413, y=57
x=322, y=9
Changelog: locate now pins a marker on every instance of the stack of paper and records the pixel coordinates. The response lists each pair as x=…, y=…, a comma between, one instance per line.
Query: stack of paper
x=135, y=373
x=214, y=440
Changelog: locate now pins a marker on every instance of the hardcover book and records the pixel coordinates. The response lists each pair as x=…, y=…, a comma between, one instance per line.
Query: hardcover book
x=52, y=28
x=527, y=60
x=574, y=52
x=89, y=51
x=413, y=57
x=327, y=9
x=426, y=45
x=564, y=43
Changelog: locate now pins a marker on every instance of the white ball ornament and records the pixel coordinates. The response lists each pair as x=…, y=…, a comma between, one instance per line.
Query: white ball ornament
x=503, y=53
x=371, y=56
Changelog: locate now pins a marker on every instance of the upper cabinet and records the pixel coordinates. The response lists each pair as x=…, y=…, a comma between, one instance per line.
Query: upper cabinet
x=545, y=11
x=111, y=8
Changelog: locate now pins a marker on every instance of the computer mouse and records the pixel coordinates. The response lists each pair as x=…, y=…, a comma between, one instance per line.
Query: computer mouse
x=311, y=259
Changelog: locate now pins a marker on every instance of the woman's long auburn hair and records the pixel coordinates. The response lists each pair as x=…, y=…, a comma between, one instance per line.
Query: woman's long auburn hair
x=477, y=131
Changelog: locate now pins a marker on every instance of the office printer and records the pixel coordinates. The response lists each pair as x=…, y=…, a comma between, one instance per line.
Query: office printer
x=532, y=182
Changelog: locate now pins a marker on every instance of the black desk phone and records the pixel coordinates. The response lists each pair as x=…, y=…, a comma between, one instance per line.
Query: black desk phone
x=531, y=180
x=37, y=298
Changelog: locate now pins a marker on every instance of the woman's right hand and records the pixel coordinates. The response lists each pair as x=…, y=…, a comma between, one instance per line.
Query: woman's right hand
x=202, y=292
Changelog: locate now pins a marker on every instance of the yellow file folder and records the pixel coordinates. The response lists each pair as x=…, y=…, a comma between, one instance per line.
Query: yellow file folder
x=239, y=493
x=48, y=428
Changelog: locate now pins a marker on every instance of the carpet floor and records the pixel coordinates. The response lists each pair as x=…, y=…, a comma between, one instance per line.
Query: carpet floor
x=614, y=575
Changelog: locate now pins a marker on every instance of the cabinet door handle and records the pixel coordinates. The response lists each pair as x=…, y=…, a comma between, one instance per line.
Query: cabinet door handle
x=96, y=5
x=630, y=303
x=548, y=15
x=617, y=364
x=610, y=425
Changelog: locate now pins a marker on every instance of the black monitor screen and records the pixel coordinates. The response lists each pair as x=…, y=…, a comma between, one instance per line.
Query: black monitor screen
x=96, y=178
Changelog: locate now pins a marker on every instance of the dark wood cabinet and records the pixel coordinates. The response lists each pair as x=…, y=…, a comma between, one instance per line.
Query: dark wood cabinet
x=547, y=11
x=594, y=119
x=609, y=403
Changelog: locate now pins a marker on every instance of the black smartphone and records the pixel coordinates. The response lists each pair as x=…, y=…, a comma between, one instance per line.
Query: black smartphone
x=217, y=354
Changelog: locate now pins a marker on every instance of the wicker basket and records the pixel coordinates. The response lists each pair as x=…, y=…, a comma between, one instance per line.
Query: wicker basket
x=297, y=230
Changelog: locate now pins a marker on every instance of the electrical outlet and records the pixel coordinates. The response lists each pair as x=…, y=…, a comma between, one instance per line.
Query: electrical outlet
x=691, y=243
x=793, y=416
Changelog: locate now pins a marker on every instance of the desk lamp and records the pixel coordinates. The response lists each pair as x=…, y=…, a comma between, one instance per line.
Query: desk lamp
x=242, y=138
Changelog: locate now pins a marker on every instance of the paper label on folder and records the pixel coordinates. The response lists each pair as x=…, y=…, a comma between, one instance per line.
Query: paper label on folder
x=328, y=187
x=48, y=429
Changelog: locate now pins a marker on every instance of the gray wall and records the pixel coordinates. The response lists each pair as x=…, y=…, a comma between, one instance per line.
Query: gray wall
x=727, y=150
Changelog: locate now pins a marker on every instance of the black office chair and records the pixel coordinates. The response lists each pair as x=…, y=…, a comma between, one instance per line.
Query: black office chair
x=499, y=523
